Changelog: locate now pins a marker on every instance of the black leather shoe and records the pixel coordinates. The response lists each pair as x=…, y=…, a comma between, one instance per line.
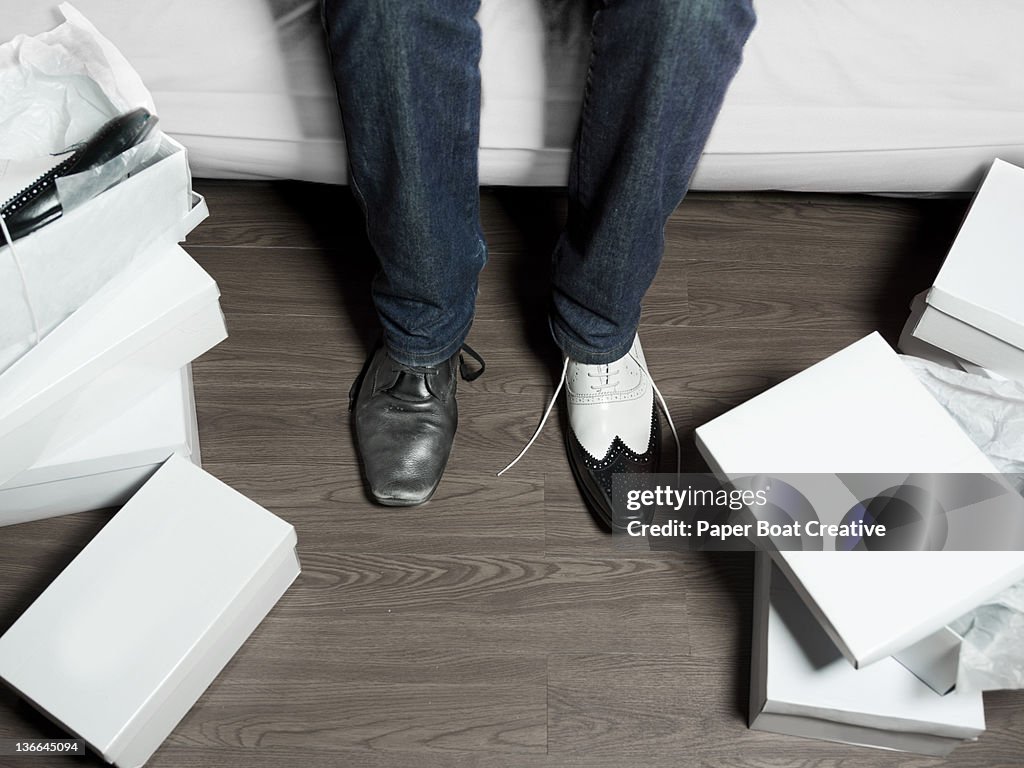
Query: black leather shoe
x=405, y=420
x=38, y=205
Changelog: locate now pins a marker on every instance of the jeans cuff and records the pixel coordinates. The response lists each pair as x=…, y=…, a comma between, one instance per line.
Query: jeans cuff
x=429, y=358
x=585, y=354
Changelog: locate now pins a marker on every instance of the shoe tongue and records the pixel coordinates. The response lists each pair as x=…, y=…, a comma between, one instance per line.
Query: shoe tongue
x=410, y=386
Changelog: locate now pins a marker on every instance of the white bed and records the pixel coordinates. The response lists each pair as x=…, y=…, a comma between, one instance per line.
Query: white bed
x=892, y=96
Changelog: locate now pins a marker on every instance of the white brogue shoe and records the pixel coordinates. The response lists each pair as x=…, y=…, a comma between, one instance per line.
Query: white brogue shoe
x=613, y=426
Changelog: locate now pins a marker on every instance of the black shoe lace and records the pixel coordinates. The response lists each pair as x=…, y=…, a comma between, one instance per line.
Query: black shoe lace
x=464, y=370
x=467, y=373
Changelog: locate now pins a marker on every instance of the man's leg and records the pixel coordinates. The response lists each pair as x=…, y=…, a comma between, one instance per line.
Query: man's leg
x=408, y=83
x=658, y=73
x=409, y=87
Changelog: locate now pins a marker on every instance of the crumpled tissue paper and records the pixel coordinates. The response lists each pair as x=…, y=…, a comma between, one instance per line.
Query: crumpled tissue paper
x=991, y=412
x=60, y=86
x=992, y=649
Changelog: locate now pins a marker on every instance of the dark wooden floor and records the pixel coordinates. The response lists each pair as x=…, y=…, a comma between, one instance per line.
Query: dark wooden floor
x=497, y=626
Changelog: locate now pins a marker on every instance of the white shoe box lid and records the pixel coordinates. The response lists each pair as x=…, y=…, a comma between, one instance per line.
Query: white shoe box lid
x=105, y=467
x=981, y=278
x=862, y=411
x=120, y=346
x=801, y=685
x=125, y=640
x=858, y=410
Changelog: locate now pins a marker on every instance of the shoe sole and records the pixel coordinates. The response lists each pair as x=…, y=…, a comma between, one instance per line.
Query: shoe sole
x=392, y=502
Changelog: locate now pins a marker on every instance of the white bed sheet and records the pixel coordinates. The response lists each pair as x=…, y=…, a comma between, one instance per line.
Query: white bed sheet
x=900, y=96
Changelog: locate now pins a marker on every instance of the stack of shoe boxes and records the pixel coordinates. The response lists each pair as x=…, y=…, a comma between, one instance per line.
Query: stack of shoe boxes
x=96, y=409
x=90, y=410
x=827, y=623
x=125, y=343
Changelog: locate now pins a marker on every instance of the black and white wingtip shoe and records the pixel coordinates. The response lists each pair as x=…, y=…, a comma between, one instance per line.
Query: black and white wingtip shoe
x=613, y=428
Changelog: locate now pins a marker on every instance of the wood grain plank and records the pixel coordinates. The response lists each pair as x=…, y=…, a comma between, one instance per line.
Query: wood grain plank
x=796, y=228
x=290, y=281
x=330, y=507
x=445, y=718
x=379, y=701
x=278, y=215
x=774, y=296
x=323, y=216
x=520, y=587
x=524, y=604
x=628, y=703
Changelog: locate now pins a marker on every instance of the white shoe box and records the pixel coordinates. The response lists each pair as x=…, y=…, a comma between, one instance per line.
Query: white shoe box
x=124, y=641
x=975, y=310
x=66, y=262
x=124, y=343
x=863, y=411
x=802, y=686
x=107, y=466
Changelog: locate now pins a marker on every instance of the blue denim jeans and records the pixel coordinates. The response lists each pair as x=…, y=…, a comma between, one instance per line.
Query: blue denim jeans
x=408, y=79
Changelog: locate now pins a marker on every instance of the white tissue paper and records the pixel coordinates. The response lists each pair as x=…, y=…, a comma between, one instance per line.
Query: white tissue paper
x=991, y=412
x=60, y=86
x=56, y=90
x=992, y=649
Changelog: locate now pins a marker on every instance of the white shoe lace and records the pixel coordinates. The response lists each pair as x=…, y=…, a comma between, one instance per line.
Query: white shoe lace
x=607, y=374
x=610, y=376
x=36, y=336
x=543, y=421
